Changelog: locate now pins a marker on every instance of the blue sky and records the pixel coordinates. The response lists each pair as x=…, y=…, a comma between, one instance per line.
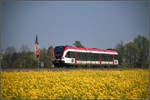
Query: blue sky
x=97, y=24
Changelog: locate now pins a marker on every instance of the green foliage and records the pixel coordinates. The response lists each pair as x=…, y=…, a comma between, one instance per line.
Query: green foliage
x=51, y=54
x=143, y=45
x=78, y=44
x=131, y=54
x=134, y=54
x=25, y=58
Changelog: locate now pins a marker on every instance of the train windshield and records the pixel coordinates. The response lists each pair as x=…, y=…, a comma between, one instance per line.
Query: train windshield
x=59, y=51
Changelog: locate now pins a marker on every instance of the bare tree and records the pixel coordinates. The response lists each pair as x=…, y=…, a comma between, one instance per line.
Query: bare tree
x=24, y=49
x=10, y=50
x=51, y=54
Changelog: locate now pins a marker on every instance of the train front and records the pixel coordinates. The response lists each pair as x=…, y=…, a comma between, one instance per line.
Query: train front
x=58, y=53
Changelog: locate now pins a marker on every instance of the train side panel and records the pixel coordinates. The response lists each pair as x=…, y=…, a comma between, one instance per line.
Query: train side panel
x=74, y=60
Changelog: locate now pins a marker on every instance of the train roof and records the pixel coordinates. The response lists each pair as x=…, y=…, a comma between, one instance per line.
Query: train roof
x=91, y=49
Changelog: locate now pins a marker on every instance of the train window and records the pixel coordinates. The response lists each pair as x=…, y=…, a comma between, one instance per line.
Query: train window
x=70, y=54
x=97, y=57
x=89, y=56
x=85, y=56
x=106, y=57
x=81, y=56
x=110, y=57
x=78, y=55
x=116, y=57
x=103, y=57
x=93, y=56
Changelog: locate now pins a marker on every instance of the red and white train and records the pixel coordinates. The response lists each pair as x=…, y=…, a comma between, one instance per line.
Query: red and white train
x=66, y=55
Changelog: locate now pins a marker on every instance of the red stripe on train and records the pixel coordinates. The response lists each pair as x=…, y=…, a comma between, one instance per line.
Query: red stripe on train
x=113, y=59
x=100, y=50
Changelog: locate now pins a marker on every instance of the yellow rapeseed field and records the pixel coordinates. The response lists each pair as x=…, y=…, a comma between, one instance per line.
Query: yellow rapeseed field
x=75, y=84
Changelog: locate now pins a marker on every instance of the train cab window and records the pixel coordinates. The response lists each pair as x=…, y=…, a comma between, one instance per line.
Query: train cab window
x=68, y=55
